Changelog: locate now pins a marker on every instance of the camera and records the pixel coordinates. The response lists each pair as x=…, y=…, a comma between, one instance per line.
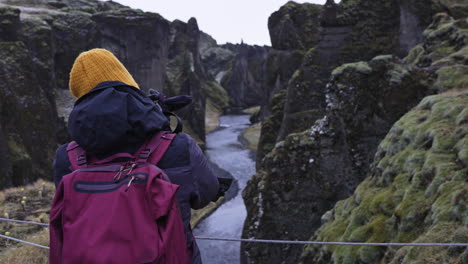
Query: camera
x=170, y=104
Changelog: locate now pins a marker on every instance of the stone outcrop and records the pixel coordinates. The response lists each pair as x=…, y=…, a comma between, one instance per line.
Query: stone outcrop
x=294, y=26
x=416, y=191
x=173, y=57
x=240, y=69
x=29, y=126
x=186, y=74
x=27, y=141
x=39, y=42
x=405, y=196
x=306, y=168
x=309, y=171
x=280, y=67
x=244, y=81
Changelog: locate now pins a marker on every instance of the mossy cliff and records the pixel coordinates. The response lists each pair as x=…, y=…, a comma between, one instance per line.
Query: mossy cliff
x=29, y=123
x=415, y=188
x=39, y=42
x=186, y=74
x=294, y=26
x=416, y=191
x=240, y=69
x=319, y=144
x=309, y=171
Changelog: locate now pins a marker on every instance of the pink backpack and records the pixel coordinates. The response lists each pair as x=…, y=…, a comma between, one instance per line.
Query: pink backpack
x=123, y=212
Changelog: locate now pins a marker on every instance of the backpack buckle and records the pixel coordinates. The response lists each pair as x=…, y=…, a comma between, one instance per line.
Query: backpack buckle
x=81, y=159
x=144, y=154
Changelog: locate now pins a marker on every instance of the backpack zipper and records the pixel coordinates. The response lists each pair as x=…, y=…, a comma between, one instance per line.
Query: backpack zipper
x=110, y=186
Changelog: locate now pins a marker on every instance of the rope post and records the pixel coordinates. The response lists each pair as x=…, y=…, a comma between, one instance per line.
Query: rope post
x=23, y=204
x=6, y=240
x=44, y=188
x=7, y=224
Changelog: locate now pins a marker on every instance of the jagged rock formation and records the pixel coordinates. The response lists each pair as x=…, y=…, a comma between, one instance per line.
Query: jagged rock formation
x=422, y=155
x=186, y=74
x=355, y=104
x=308, y=171
x=280, y=66
x=336, y=34
x=173, y=57
x=240, y=69
x=39, y=42
x=416, y=190
x=294, y=26
x=27, y=142
x=244, y=81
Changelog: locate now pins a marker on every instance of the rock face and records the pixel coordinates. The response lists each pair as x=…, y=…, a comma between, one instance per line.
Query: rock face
x=307, y=172
x=328, y=123
x=173, y=57
x=244, y=81
x=39, y=42
x=416, y=191
x=240, y=69
x=186, y=74
x=27, y=142
x=294, y=26
x=26, y=101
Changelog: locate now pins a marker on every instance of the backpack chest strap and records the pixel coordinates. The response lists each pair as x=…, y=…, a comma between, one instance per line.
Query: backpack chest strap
x=155, y=147
x=76, y=155
x=151, y=151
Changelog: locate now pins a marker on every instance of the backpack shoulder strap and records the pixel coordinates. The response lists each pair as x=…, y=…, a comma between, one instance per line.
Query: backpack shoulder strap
x=76, y=155
x=155, y=147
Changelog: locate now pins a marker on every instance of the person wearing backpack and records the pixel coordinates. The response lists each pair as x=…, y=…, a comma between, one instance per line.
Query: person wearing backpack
x=117, y=131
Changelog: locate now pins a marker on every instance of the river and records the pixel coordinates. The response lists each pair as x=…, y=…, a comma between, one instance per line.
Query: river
x=224, y=149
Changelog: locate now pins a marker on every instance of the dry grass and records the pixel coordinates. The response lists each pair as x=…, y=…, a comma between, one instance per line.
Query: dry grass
x=28, y=254
x=251, y=110
x=455, y=92
x=212, y=115
x=36, y=209
x=251, y=136
x=199, y=215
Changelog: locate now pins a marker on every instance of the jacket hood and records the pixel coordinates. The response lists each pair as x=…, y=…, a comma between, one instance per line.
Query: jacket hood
x=114, y=117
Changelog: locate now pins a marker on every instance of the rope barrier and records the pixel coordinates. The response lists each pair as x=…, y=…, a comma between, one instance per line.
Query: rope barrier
x=333, y=243
x=22, y=222
x=268, y=240
x=25, y=242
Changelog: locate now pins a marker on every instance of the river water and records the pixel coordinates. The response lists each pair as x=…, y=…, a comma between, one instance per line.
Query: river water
x=224, y=149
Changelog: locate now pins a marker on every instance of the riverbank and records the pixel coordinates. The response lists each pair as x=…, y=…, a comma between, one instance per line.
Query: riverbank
x=251, y=136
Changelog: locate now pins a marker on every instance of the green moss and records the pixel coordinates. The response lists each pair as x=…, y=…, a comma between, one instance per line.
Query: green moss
x=360, y=67
x=452, y=77
x=414, y=55
x=440, y=30
x=383, y=58
x=462, y=148
x=8, y=11
x=17, y=150
x=425, y=188
x=217, y=94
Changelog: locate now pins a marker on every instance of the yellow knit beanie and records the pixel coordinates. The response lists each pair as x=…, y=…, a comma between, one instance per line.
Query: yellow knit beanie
x=95, y=66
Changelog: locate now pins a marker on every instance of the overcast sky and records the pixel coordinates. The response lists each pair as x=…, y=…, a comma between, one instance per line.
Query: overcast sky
x=224, y=20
